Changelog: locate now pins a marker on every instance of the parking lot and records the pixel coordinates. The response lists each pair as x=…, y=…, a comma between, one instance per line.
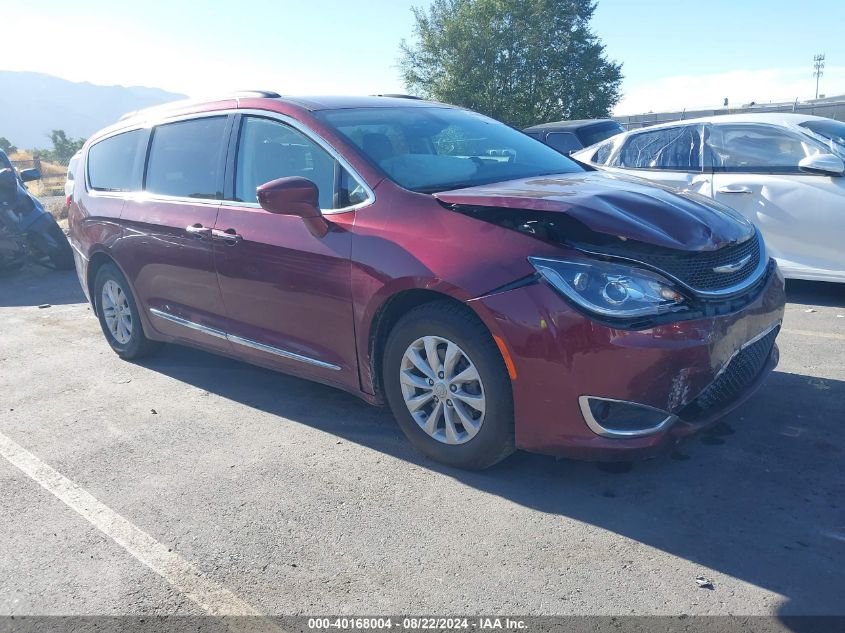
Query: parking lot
x=192, y=484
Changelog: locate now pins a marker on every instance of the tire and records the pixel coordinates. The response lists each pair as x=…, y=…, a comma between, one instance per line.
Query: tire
x=128, y=343
x=51, y=243
x=486, y=439
x=60, y=253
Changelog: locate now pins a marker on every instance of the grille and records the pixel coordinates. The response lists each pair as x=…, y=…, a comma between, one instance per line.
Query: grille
x=740, y=372
x=696, y=269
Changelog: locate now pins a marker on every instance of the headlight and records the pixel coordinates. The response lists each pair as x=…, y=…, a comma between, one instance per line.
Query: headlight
x=611, y=290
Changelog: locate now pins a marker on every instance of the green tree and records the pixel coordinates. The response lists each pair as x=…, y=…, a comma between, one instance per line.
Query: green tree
x=520, y=61
x=6, y=145
x=64, y=147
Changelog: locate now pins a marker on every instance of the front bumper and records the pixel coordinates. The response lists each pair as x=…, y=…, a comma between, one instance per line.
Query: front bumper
x=560, y=355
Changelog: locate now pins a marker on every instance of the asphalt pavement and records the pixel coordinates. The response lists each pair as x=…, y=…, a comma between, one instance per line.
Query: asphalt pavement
x=192, y=484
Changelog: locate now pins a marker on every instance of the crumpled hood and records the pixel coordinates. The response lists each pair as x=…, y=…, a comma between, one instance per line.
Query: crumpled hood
x=617, y=205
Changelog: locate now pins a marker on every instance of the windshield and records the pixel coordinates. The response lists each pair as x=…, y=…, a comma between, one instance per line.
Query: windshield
x=593, y=134
x=831, y=131
x=436, y=149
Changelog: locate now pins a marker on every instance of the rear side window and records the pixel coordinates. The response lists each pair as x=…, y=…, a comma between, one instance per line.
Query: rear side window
x=602, y=154
x=564, y=142
x=672, y=149
x=186, y=158
x=268, y=150
x=114, y=163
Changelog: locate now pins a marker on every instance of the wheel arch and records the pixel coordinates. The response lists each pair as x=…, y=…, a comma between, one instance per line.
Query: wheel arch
x=389, y=313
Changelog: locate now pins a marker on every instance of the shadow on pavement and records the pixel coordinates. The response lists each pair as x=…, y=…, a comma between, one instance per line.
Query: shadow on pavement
x=816, y=293
x=36, y=285
x=758, y=498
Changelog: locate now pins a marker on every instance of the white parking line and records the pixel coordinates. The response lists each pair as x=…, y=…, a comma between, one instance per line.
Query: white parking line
x=189, y=580
x=833, y=335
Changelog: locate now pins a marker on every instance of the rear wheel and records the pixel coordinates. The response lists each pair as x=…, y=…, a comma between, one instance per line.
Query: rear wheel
x=448, y=387
x=118, y=314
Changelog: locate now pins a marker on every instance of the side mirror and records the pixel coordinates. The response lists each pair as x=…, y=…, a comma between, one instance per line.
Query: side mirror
x=823, y=164
x=294, y=196
x=28, y=175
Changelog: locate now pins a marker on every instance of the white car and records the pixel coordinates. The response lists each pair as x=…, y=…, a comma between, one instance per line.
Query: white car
x=71, y=170
x=782, y=171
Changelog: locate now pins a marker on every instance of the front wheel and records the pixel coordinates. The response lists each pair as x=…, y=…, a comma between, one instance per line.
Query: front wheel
x=448, y=388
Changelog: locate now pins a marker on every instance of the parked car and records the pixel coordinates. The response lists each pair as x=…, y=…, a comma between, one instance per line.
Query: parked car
x=570, y=136
x=27, y=231
x=71, y=171
x=496, y=294
x=782, y=171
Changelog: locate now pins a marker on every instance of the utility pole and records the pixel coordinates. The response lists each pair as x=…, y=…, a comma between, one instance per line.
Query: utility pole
x=818, y=70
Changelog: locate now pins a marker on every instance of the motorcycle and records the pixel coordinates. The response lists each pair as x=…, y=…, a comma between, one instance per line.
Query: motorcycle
x=27, y=231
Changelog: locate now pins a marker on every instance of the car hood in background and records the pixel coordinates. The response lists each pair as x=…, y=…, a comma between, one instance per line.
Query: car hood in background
x=616, y=205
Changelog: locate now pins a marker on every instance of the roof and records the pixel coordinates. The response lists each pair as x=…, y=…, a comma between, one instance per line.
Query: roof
x=566, y=125
x=341, y=102
x=314, y=103
x=775, y=118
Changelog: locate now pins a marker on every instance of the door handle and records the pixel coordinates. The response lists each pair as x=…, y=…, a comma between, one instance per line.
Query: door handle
x=735, y=189
x=230, y=236
x=198, y=230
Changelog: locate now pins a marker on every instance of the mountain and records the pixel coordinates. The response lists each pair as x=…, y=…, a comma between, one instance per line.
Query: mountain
x=33, y=104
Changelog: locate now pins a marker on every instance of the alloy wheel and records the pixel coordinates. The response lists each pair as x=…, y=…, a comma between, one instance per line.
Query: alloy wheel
x=442, y=390
x=116, y=312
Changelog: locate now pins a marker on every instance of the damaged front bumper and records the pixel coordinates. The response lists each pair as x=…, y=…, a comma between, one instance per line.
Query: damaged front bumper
x=687, y=373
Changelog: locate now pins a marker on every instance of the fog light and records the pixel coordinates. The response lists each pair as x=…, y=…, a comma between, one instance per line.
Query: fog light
x=619, y=418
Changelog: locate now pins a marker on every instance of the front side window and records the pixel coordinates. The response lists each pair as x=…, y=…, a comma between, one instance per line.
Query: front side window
x=114, y=164
x=430, y=149
x=756, y=148
x=564, y=142
x=833, y=132
x=268, y=150
x=186, y=158
x=670, y=149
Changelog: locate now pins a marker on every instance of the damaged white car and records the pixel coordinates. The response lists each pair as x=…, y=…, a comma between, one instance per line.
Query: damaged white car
x=782, y=171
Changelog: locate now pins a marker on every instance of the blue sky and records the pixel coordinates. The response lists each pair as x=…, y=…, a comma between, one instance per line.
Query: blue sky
x=675, y=54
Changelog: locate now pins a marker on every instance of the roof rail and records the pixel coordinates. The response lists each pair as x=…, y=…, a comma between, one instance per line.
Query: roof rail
x=241, y=94
x=266, y=94
x=399, y=96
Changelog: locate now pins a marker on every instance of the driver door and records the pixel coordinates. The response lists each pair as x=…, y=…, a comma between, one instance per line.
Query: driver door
x=287, y=292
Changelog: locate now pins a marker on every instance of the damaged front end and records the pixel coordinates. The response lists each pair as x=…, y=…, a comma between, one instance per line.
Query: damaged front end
x=625, y=281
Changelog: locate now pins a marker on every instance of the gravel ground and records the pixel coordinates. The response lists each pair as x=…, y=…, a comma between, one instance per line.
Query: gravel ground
x=298, y=498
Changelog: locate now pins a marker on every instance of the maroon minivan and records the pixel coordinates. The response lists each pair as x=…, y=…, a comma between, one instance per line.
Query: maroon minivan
x=496, y=294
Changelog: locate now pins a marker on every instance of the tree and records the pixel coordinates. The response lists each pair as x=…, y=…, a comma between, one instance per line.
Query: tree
x=6, y=146
x=520, y=61
x=63, y=147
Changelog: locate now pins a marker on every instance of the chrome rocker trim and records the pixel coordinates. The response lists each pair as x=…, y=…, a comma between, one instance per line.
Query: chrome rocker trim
x=240, y=340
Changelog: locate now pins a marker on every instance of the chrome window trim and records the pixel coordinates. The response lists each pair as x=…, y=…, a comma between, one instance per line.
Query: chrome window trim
x=240, y=340
x=267, y=114
x=597, y=428
x=736, y=289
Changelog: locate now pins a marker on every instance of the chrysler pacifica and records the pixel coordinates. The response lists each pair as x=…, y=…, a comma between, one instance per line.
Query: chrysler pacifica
x=494, y=293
